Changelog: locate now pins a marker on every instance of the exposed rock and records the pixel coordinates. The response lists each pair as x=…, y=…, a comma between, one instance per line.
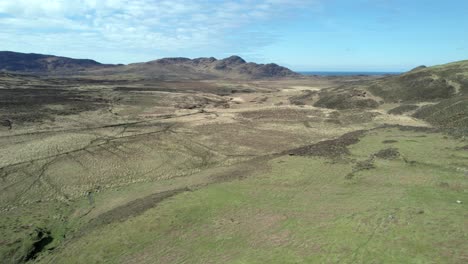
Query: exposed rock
x=233, y=60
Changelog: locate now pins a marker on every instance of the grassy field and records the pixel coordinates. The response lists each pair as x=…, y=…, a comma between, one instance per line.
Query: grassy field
x=226, y=171
x=306, y=210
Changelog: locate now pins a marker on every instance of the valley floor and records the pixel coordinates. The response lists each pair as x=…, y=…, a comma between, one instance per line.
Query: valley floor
x=228, y=171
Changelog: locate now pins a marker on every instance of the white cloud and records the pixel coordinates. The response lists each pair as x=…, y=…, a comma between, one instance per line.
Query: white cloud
x=138, y=25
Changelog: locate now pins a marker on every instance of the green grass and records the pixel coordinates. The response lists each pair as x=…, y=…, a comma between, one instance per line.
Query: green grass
x=18, y=229
x=303, y=210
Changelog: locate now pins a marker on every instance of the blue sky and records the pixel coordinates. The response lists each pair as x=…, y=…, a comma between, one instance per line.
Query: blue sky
x=359, y=35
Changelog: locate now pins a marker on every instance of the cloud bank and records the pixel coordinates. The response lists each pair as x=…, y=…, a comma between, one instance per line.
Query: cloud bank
x=116, y=30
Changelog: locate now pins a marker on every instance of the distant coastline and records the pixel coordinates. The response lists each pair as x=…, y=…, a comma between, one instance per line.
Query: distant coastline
x=346, y=73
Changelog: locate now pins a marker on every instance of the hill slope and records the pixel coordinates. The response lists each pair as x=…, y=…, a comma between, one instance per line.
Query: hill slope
x=424, y=83
x=438, y=95
x=444, y=86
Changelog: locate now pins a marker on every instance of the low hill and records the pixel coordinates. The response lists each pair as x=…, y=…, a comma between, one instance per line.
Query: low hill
x=438, y=95
x=424, y=83
x=444, y=86
x=44, y=64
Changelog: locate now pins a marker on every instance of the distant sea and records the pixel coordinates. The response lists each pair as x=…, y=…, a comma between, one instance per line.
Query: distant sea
x=346, y=73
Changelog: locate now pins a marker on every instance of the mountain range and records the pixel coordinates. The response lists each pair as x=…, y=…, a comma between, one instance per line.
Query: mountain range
x=233, y=67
